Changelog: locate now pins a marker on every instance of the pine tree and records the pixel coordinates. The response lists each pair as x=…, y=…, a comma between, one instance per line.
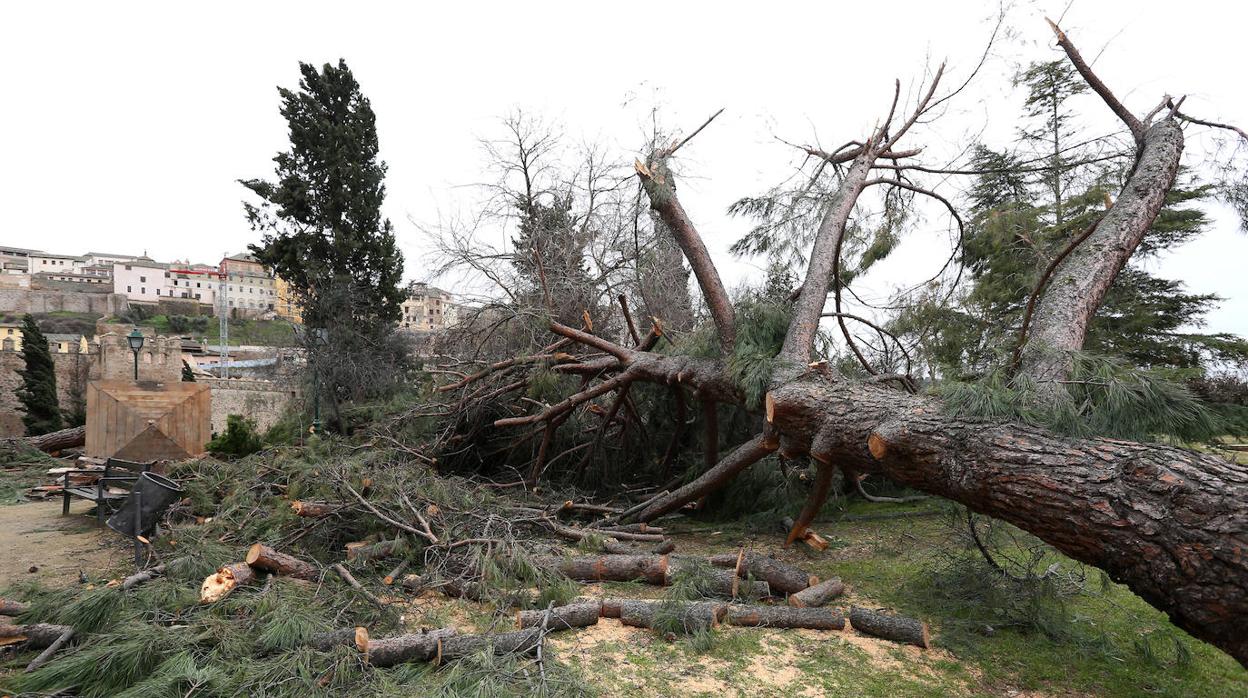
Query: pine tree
x=37, y=393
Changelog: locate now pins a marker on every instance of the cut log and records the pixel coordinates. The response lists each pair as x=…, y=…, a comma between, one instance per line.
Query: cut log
x=613, y=568
x=575, y=615
x=782, y=577
x=350, y=637
x=785, y=617
x=610, y=608
x=225, y=580
x=36, y=635
x=262, y=557
x=312, y=510
x=363, y=552
x=417, y=647
x=890, y=627
x=458, y=646
x=8, y=607
x=689, y=616
x=807, y=536
x=727, y=584
x=818, y=594
x=58, y=440
x=389, y=579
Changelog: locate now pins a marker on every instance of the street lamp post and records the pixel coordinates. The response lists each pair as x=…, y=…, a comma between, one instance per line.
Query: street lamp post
x=135, y=338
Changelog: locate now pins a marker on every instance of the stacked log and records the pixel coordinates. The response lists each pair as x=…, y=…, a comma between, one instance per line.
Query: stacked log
x=574, y=615
x=262, y=557
x=785, y=617
x=890, y=627
x=818, y=594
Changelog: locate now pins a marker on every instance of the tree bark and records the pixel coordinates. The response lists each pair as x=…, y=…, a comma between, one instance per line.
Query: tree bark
x=9, y=607
x=351, y=637
x=262, y=557
x=781, y=577
x=364, y=552
x=58, y=440
x=613, y=568
x=818, y=594
x=460, y=646
x=890, y=627
x=312, y=510
x=575, y=615
x=690, y=616
x=417, y=647
x=785, y=617
x=35, y=635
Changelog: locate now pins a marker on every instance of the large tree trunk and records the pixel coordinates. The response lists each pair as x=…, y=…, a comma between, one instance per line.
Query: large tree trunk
x=58, y=440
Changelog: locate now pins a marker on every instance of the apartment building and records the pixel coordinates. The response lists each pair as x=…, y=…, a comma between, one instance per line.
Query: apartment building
x=427, y=308
x=141, y=279
x=248, y=285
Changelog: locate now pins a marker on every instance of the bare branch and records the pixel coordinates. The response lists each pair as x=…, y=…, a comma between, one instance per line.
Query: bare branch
x=1133, y=124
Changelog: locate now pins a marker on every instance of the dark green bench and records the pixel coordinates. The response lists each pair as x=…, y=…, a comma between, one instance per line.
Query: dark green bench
x=117, y=473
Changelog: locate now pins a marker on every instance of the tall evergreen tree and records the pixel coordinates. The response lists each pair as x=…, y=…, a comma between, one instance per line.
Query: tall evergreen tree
x=37, y=393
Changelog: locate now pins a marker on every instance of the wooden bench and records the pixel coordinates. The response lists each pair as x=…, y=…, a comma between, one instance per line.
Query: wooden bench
x=118, y=473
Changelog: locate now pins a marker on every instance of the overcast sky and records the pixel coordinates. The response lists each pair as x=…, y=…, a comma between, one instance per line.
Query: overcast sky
x=125, y=127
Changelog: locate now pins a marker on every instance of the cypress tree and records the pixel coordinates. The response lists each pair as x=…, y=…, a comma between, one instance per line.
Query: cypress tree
x=37, y=393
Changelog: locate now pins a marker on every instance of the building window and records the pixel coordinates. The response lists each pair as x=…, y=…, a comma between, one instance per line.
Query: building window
x=143, y=290
x=128, y=289
x=142, y=279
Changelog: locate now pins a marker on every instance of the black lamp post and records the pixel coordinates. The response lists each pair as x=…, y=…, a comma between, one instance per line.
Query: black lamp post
x=135, y=338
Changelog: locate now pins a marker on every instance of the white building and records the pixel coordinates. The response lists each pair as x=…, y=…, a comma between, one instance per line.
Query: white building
x=249, y=287
x=141, y=279
x=48, y=263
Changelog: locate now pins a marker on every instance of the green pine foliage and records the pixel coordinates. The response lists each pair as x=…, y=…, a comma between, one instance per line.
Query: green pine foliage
x=37, y=393
x=240, y=438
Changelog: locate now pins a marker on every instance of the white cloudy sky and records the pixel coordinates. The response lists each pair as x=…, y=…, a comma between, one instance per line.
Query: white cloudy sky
x=125, y=126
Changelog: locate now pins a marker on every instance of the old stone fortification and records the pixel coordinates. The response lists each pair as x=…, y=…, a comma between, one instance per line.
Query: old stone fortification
x=160, y=359
x=259, y=400
x=22, y=300
x=72, y=373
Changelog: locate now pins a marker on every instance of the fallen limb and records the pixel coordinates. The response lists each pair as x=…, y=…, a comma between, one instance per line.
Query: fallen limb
x=9, y=607
x=58, y=440
x=782, y=577
x=262, y=557
x=35, y=635
x=817, y=595
x=388, y=580
x=44, y=656
x=890, y=627
x=225, y=580
x=417, y=647
x=312, y=510
x=459, y=646
x=785, y=617
x=574, y=615
x=143, y=577
x=363, y=552
x=351, y=581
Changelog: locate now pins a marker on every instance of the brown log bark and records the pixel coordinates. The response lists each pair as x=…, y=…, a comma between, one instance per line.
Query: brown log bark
x=351, y=637
x=613, y=568
x=364, y=552
x=417, y=647
x=690, y=616
x=262, y=557
x=58, y=440
x=459, y=646
x=575, y=615
x=785, y=617
x=818, y=594
x=312, y=510
x=610, y=608
x=783, y=578
x=9, y=607
x=225, y=580
x=910, y=631
x=803, y=533
x=35, y=635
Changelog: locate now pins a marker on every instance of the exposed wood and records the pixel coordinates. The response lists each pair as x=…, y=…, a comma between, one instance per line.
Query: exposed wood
x=58, y=440
x=910, y=631
x=459, y=646
x=818, y=594
x=350, y=637
x=389, y=579
x=312, y=510
x=575, y=615
x=785, y=617
x=614, y=568
x=262, y=557
x=806, y=535
x=782, y=577
x=225, y=580
x=416, y=647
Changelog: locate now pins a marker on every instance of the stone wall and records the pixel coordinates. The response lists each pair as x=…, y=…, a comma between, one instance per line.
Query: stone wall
x=257, y=400
x=20, y=300
x=160, y=359
x=73, y=370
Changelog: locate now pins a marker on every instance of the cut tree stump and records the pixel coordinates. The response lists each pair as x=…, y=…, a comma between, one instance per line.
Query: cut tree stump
x=890, y=627
x=613, y=568
x=350, y=637
x=9, y=607
x=691, y=616
x=36, y=635
x=575, y=615
x=782, y=577
x=262, y=557
x=219, y=584
x=312, y=510
x=458, y=646
x=785, y=617
x=818, y=594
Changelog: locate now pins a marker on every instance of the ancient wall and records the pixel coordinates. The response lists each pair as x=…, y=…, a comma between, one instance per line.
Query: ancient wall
x=160, y=359
x=258, y=400
x=72, y=372
x=19, y=300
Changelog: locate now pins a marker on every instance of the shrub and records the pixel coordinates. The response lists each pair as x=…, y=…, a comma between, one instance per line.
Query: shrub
x=240, y=439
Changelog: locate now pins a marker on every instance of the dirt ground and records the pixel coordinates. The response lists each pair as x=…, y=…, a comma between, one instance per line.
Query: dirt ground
x=36, y=535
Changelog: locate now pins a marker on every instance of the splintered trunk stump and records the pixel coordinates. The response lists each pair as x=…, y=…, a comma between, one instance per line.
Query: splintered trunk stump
x=225, y=580
x=689, y=616
x=910, y=631
x=785, y=617
x=781, y=577
x=418, y=647
x=350, y=637
x=614, y=568
x=576, y=615
x=459, y=646
x=818, y=594
x=262, y=557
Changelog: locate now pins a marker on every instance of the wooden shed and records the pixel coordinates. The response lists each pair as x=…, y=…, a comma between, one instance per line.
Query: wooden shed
x=146, y=420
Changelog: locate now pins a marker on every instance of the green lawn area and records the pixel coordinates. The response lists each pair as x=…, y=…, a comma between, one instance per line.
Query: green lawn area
x=276, y=333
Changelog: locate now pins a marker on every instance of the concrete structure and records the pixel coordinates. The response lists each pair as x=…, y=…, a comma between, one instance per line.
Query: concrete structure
x=250, y=289
x=73, y=370
x=160, y=360
x=15, y=260
x=193, y=282
x=426, y=308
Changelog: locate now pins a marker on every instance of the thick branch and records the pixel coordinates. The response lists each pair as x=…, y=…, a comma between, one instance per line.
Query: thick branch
x=1133, y=123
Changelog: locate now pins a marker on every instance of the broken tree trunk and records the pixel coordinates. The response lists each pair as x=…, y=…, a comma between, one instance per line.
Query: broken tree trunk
x=781, y=577
x=58, y=440
x=785, y=617
x=575, y=615
x=613, y=568
x=817, y=595
x=802, y=531
x=262, y=557
x=219, y=584
x=350, y=637
x=36, y=635
x=890, y=627
x=458, y=646
x=689, y=617
x=52, y=649
x=143, y=577
x=417, y=647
